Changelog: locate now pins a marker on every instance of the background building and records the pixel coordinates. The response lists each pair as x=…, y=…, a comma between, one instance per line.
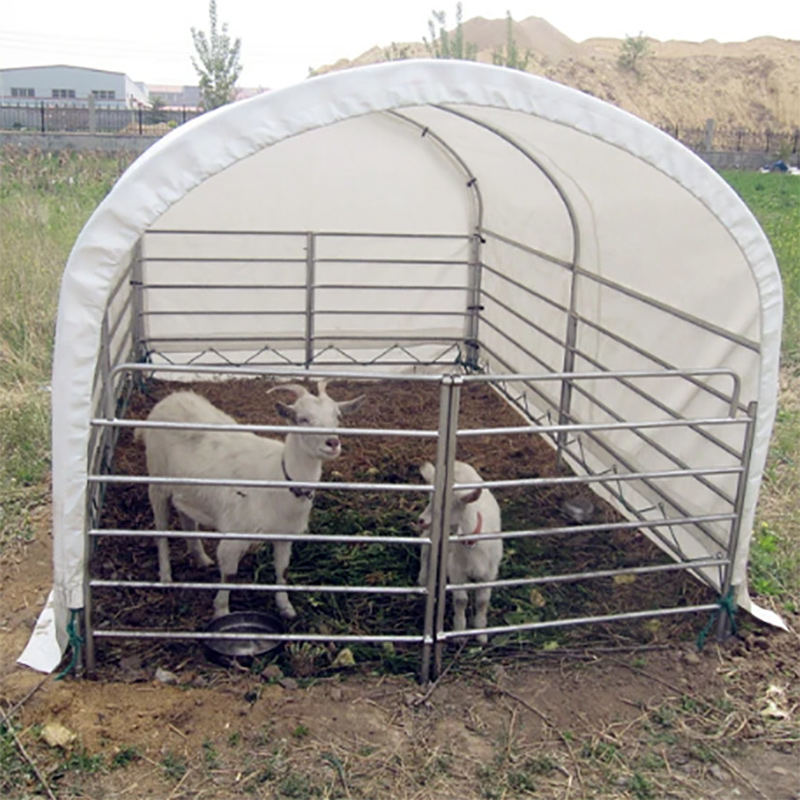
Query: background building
x=71, y=86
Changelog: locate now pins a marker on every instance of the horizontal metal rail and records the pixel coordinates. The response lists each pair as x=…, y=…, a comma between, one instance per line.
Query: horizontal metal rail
x=338, y=337
x=275, y=372
x=320, y=312
x=102, y=633
x=304, y=233
x=606, y=527
x=572, y=621
x=412, y=432
x=248, y=287
x=97, y=583
x=570, y=577
x=523, y=288
x=245, y=428
x=259, y=484
x=335, y=486
x=415, y=541
x=220, y=260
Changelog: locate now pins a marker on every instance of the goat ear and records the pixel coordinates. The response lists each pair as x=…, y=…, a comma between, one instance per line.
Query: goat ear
x=346, y=406
x=471, y=495
x=427, y=470
x=287, y=412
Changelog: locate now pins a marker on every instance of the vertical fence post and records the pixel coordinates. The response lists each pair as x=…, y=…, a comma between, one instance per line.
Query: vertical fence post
x=443, y=490
x=723, y=625
x=41, y=113
x=473, y=301
x=92, y=114
x=708, y=138
x=137, y=304
x=311, y=258
x=140, y=115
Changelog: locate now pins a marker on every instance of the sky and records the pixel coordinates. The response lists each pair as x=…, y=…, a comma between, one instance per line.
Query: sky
x=150, y=40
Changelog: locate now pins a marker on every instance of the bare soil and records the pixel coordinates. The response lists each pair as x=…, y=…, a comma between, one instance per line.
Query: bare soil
x=628, y=711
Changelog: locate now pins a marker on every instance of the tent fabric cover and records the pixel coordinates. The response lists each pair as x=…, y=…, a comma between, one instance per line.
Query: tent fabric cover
x=630, y=186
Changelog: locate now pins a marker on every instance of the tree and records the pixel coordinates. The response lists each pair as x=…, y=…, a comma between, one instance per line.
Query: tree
x=631, y=50
x=217, y=63
x=156, y=115
x=442, y=44
x=509, y=56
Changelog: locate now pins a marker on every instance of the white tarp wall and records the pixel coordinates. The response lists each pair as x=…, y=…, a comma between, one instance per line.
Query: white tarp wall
x=545, y=166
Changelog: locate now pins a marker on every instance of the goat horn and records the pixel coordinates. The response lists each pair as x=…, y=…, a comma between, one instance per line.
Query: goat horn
x=297, y=388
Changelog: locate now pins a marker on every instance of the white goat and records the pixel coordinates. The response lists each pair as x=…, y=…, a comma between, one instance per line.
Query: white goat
x=472, y=512
x=232, y=455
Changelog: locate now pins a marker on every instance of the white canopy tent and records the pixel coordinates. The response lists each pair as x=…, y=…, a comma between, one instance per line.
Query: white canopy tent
x=633, y=253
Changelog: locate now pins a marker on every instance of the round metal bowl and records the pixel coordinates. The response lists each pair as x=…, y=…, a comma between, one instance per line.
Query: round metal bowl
x=253, y=622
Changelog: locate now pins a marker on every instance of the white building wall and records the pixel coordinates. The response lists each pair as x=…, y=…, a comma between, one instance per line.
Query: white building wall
x=67, y=85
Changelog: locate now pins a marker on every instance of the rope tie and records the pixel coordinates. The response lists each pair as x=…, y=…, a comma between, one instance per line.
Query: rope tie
x=727, y=605
x=75, y=644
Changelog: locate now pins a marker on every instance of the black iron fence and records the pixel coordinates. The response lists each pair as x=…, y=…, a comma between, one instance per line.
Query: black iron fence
x=735, y=139
x=48, y=117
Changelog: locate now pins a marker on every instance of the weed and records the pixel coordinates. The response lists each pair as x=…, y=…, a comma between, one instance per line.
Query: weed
x=174, y=766
x=772, y=569
x=15, y=772
x=641, y=788
x=124, y=757
x=295, y=786
x=234, y=739
x=210, y=755
x=78, y=760
x=300, y=732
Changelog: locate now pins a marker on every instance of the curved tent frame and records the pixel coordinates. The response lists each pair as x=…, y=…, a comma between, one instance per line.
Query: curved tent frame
x=608, y=197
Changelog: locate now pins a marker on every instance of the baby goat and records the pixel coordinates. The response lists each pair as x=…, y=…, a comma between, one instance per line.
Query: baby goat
x=473, y=511
x=244, y=455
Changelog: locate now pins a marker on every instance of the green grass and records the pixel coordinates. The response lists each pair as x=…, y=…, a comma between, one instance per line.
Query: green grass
x=774, y=198
x=45, y=199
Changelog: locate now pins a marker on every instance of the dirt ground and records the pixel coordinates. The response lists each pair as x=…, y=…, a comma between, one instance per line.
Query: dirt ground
x=629, y=713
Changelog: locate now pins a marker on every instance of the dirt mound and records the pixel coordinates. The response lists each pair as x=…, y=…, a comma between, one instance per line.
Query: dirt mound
x=753, y=85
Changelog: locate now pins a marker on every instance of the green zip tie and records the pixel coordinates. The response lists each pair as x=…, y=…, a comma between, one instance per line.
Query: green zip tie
x=726, y=604
x=75, y=644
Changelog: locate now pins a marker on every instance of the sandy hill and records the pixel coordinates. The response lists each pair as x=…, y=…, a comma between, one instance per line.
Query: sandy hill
x=753, y=85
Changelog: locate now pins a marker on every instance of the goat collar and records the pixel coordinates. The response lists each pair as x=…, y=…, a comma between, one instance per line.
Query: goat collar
x=303, y=494
x=478, y=526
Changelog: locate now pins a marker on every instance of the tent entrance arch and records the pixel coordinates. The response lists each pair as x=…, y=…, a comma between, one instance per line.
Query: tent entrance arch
x=452, y=225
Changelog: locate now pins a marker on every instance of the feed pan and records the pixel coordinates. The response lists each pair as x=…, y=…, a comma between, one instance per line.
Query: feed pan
x=253, y=622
